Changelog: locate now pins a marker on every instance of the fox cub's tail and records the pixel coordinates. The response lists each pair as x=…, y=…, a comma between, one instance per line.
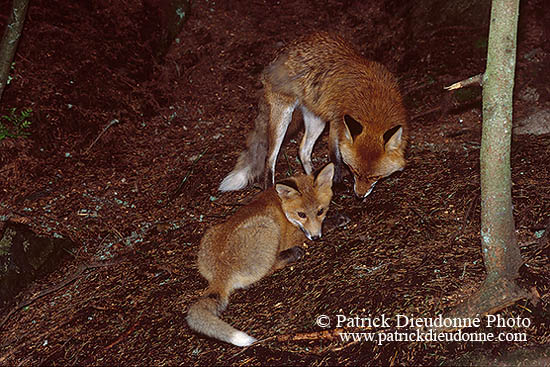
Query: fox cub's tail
x=251, y=162
x=203, y=318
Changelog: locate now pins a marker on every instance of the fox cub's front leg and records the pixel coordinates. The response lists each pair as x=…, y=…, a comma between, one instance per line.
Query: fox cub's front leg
x=289, y=256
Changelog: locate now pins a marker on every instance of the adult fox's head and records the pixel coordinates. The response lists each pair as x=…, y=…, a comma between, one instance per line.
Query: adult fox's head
x=369, y=155
x=305, y=200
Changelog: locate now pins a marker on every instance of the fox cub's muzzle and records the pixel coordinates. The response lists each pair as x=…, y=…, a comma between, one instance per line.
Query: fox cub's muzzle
x=313, y=237
x=312, y=230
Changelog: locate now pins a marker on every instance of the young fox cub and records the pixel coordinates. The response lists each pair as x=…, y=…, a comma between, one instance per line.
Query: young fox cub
x=260, y=238
x=330, y=82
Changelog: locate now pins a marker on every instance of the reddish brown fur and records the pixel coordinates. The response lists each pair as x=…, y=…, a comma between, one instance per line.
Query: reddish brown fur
x=258, y=239
x=331, y=79
x=331, y=82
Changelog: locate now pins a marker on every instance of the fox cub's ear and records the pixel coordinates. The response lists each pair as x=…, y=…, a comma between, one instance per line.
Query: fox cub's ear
x=352, y=127
x=392, y=138
x=287, y=189
x=324, y=177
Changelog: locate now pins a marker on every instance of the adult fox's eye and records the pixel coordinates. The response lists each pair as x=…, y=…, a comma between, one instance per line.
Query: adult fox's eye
x=320, y=212
x=301, y=215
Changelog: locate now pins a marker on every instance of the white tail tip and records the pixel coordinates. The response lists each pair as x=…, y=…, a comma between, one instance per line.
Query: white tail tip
x=241, y=339
x=236, y=180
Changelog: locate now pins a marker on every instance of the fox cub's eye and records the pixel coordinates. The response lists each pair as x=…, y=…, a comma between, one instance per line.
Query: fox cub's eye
x=321, y=211
x=301, y=214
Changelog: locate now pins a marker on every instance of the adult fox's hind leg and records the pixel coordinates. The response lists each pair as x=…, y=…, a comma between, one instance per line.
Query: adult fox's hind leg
x=281, y=110
x=314, y=127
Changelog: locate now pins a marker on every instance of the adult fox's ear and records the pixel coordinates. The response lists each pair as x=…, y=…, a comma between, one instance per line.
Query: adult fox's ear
x=324, y=177
x=393, y=138
x=352, y=127
x=287, y=189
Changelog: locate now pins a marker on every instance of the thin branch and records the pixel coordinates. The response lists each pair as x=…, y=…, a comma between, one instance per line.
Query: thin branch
x=188, y=174
x=476, y=80
x=114, y=121
x=130, y=330
x=332, y=335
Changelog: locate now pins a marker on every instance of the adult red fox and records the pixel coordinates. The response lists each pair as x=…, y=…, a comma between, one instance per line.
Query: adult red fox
x=331, y=82
x=258, y=239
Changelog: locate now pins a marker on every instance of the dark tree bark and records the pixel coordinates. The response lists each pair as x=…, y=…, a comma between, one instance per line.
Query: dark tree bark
x=170, y=15
x=10, y=40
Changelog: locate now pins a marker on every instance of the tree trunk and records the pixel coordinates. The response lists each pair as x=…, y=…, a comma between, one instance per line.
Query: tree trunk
x=498, y=241
x=170, y=15
x=8, y=46
x=500, y=249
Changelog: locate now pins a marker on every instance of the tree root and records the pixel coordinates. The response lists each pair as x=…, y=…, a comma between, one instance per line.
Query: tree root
x=494, y=295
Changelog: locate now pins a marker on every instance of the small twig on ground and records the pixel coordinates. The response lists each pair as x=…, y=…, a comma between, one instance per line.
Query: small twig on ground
x=332, y=334
x=125, y=334
x=476, y=80
x=189, y=172
x=113, y=121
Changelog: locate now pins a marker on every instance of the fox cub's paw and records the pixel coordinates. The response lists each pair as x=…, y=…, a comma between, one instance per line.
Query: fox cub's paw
x=296, y=253
x=292, y=254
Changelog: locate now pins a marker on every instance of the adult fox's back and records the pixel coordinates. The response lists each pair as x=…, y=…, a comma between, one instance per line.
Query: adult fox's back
x=331, y=82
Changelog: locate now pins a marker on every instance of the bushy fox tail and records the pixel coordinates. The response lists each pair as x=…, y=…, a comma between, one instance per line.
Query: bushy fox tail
x=203, y=317
x=251, y=162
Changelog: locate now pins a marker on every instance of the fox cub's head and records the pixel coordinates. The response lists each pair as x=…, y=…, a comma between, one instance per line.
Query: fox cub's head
x=371, y=157
x=305, y=200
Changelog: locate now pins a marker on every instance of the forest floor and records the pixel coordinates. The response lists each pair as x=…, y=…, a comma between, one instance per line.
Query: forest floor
x=138, y=200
